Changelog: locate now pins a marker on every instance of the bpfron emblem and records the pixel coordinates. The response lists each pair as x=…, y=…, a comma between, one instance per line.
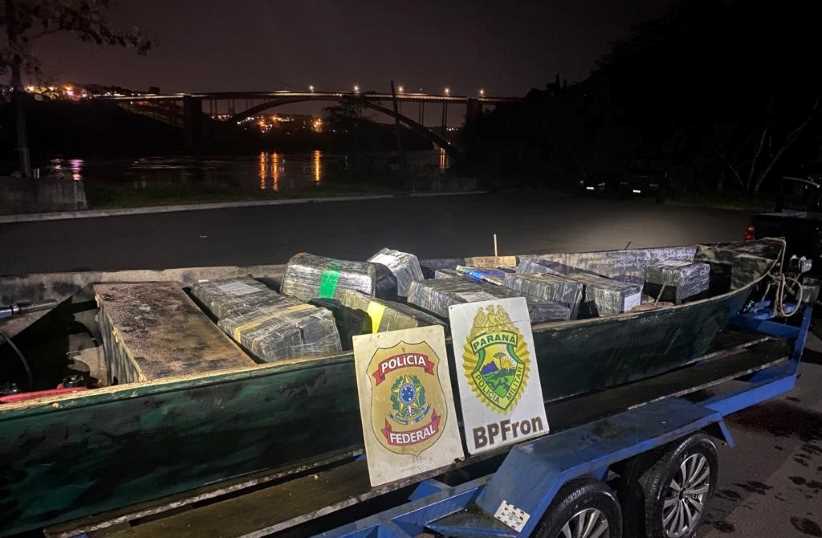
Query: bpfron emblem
x=496, y=359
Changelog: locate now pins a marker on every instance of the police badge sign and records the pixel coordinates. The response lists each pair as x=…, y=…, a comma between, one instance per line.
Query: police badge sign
x=498, y=379
x=406, y=403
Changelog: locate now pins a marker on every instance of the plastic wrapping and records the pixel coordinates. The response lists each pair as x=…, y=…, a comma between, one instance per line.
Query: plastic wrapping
x=350, y=321
x=679, y=279
x=542, y=265
x=547, y=287
x=447, y=273
x=281, y=332
x=437, y=295
x=270, y=325
x=405, y=267
x=234, y=296
x=387, y=315
x=606, y=296
x=492, y=275
x=308, y=276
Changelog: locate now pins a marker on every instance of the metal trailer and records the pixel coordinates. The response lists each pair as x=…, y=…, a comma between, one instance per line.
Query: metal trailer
x=659, y=454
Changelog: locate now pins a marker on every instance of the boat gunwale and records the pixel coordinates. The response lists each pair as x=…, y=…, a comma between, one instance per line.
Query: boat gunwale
x=91, y=397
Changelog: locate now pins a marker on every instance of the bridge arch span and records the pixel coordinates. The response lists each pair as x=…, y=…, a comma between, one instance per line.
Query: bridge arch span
x=435, y=138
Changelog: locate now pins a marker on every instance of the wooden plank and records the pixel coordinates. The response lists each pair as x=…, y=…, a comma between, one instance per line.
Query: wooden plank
x=153, y=330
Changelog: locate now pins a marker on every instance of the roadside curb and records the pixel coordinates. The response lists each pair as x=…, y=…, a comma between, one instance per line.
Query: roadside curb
x=99, y=213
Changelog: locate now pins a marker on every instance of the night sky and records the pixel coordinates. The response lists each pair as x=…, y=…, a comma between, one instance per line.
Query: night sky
x=212, y=45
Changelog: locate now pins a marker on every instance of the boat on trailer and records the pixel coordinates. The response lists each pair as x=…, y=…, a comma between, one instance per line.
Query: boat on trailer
x=73, y=454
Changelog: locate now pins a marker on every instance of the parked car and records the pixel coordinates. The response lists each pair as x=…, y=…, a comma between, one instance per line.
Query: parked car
x=633, y=182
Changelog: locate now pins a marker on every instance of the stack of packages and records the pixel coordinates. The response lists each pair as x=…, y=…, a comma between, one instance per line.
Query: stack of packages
x=271, y=326
x=602, y=296
x=386, y=315
x=405, y=267
x=547, y=287
x=676, y=281
x=153, y=330
x=308, y=276
x=437, y=295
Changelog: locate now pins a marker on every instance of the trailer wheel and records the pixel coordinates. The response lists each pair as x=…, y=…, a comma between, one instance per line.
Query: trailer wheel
x=675, y=490
x=584, y=508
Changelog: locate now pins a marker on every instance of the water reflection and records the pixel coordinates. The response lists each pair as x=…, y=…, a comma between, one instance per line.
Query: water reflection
x=264, y=171
x=270, y=167
x=318, y=159
x=443, y=160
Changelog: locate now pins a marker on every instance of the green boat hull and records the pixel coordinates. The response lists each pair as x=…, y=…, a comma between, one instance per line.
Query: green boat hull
x=83, y=454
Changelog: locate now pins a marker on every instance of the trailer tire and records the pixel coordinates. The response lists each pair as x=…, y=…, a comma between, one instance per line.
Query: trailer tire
x=656, y=502
x=585, y=497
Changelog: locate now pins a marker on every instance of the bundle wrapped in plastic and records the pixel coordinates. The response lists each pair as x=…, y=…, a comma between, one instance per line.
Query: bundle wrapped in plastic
x=447, y=273
x=387, y=315
x=491, y=275
x=606, y=296
x=542, y=265
x=437, y=295
x=677, y=280
x=350, y=321
x=405, y=267
x=234, y=296
x=295, y=330
x=547, y=287
x=308, y=276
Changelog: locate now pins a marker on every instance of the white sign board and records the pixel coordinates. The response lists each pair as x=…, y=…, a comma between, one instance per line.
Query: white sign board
x=407, y=408
x=497, y=373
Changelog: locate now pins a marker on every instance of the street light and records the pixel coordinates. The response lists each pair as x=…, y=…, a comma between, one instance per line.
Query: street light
x=482, y=92
x=311, y=88
x=356, y=88
x=400, y=89
x=447, y=91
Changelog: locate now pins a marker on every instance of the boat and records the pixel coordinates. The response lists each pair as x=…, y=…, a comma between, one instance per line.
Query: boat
x=68, y=455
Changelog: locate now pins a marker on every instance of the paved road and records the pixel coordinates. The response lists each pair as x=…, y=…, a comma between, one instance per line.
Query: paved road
x=770, y=485
x=429, y=227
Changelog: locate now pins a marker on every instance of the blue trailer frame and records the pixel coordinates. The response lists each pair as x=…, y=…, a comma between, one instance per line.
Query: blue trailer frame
x=527, y=481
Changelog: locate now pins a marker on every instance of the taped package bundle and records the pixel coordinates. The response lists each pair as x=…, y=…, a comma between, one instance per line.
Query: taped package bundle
x=491, y=262
x=153, y=330
x=677, y=280
x=437, y=295
x=350, y=321
x=288, y=330
x=387, y=315
x=605, y=296
x=308, y=276
x=492, y=275
x=270, y=325
x=447, y=273
x=541, y=265
x=547, y=287
x=234, y=296
x=405, y=267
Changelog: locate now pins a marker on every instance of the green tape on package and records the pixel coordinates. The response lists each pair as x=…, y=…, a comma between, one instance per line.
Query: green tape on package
x=328, y=284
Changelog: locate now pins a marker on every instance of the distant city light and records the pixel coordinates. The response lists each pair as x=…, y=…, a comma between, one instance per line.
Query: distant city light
x=311, y=88
x=400, y=89
x=356, y=88
x=447, y=91
x=482, y=92
x=30, y=89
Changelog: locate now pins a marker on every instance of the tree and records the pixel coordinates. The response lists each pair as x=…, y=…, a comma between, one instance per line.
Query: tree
x=26, y=21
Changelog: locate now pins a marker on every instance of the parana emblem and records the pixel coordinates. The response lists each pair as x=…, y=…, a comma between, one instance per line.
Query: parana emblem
x=408, y=410
x=496, y=359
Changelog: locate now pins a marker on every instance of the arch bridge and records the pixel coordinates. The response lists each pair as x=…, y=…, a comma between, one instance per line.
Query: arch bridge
x=187, y=109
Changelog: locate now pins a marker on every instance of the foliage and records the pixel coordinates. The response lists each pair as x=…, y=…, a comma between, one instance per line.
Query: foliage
x=26, y=21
